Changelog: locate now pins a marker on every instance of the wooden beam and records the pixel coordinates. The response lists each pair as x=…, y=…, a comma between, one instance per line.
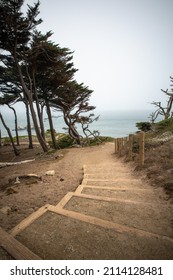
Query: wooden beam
x=64, y=200
x=84, y=182
x=107, y=174
x=141, y=148
x=130, y=146
x=116, y=188
x=79, y=189
x=116, y=179
x=26, y=222
x=17, y=250
x=106, y=224
x=116, y=145
x=109, y=199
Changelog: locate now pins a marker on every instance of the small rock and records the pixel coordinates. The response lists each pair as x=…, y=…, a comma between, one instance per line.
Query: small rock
x=76, y=146
x=33, y=175
x=5, y=210
x=61, y=179
x=59, y=156
x=50, y=173
x=17, y=181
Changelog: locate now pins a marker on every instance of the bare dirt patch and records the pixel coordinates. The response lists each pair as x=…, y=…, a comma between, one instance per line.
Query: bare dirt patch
x=17, y=201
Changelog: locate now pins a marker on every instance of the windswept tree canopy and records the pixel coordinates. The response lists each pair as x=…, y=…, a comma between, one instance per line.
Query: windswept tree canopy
x=15, y=34
x=16, y=28
x=36, y=70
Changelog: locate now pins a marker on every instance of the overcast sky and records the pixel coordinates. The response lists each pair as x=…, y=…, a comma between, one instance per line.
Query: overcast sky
x=122, y=48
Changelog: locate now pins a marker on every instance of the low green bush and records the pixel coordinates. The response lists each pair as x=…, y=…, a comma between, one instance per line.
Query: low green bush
x=164, y=125
x=64, y=141
x=97, y=140
x=144, y=126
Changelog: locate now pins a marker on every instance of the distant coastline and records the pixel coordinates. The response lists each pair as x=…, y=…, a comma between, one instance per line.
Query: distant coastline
x=116, y=123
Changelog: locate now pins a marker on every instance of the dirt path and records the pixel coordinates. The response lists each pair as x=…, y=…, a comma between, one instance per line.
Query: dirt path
x=110, y=214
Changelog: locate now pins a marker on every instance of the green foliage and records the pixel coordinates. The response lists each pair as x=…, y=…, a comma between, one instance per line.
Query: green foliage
x=64, y=141
x=144, y=126
x=48, y=132
x=97, y=140
x=6, y=140
x=164, y=125
x=106, y=139
x=30, y=57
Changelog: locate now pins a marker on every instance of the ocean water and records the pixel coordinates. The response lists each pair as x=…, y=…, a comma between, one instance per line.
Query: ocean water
x=111, y=123
x=120, y=123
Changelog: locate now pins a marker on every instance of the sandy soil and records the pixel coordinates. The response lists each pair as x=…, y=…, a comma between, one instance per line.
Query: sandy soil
x=24, y=198
x=18, y=201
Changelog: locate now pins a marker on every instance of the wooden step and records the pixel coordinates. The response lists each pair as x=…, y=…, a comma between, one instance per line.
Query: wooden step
x=117, y=183
x=27, y=221
x=121, y=188
x=106, y=170
x=147, y=195
x=69, y=195
x=120, y=228
x=142, y=215
x=67, y=235
x=108, y=176
x=17, y=250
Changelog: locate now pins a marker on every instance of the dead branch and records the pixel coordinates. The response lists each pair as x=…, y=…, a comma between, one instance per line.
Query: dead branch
x=3, y=164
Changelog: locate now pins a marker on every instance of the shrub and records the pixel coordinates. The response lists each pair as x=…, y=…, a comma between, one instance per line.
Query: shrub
x=164, y=125
x=48, y=131
x=144, y=126
x=97, y=140
x=64, y=141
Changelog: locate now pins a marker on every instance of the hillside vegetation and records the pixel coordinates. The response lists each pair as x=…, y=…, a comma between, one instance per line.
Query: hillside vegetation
x=158, y=165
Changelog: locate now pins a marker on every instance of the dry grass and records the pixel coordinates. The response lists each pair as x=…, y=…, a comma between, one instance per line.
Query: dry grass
x=158, y=166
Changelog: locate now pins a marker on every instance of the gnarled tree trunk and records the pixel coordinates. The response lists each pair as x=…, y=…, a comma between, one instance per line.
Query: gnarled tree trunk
x=51, y=124
x=10, y=136
x=28, y=96
x=28, y=126
x=72, y=131
x=16, y=126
